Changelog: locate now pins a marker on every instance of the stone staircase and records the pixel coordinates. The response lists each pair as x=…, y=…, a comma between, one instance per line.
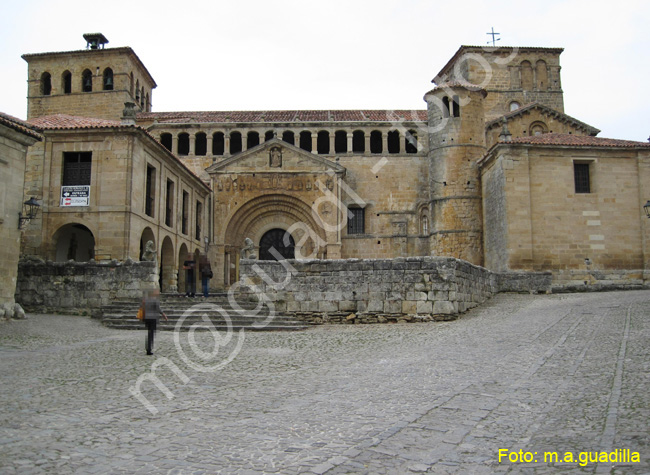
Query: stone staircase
x=216, y=307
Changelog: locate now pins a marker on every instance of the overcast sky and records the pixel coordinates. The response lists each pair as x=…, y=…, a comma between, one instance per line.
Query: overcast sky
x=333, y=54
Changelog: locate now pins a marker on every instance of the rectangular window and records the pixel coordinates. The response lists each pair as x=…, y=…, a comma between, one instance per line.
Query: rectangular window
x=169, y=204
x=186, y=201
x=356, y=221
x=76, y=168
x=199, y=213
x=581, y=177
x=150, y=192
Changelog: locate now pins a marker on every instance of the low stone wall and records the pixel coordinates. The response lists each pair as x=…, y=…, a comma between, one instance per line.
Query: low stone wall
x=80, y=287
x=380, y=290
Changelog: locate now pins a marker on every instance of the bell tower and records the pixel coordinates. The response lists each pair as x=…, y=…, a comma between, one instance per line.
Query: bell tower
x=456, y=142
x=93, y=82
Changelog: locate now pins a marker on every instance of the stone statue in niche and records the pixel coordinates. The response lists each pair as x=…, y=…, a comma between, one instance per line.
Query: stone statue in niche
x=248, y=251
x=149, y=253
x=275, y=157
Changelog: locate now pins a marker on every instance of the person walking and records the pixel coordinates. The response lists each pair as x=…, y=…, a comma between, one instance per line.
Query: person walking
x=152, y=313
x=206, y=274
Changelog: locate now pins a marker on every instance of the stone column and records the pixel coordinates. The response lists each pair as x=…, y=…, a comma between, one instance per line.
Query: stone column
x=192, y=144
x=384, y=142
x=366, y=138
x=314, y=142
x=175, y=144
x=332, y=147
x=208, y=137
x=350, y=142
x=226, y=144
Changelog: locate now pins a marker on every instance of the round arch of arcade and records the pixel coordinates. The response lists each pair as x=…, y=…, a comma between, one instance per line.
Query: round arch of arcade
x=264, y=213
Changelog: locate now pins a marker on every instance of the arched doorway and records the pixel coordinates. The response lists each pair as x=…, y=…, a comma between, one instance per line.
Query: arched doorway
x=74, y=242
x=279, y=240
x=168, y=282
x=182, y=257
x=147, y=235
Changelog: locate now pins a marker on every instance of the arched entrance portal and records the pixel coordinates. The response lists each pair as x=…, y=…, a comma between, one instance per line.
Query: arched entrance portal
x=168, y=281
x=279, y=240
x=74, y=242
x=147, y=235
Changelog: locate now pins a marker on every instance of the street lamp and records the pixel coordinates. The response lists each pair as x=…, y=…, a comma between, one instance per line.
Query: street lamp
x=646, y=207
x=30, y=207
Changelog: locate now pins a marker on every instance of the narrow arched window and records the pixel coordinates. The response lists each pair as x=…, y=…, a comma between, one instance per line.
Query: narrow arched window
x=66, y=82
x=87, y=81
x=358, y=141
x=183, y=143
x=218, y=143
x=445, y=107
x=323, y=142
x=411, y=141
x=289, y=137
x=142, y=98
x=514, y=105
x=456, y=106
x=305, y=140
x=131, y=84
x=137, y=91
x=340, y=141
x=424, y=224
x=252, y=140
x=393, y=141
x=376, y=145
x=526, y=76
x=235, y=142
x=166, y=140
x=46, y=84
x=542, y=75
x=200, y=144
x=108, y=79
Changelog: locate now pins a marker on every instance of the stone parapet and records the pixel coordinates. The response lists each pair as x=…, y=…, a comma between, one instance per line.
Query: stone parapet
x=380, y=290
x=80, y=287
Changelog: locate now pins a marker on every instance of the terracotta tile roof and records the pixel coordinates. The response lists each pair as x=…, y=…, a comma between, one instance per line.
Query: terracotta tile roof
x=456, y=84
x=578, y=141
x=285, y=116
x=19, y=125
x=64, y=121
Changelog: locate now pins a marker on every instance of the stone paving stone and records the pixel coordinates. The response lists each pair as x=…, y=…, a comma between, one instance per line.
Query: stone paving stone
x=541, y=373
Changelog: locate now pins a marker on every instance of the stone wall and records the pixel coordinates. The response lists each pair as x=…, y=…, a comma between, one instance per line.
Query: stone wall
x=380, y=290
x=80, y=287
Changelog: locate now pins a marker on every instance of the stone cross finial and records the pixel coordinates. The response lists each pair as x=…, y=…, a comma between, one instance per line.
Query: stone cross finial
x=505, y=135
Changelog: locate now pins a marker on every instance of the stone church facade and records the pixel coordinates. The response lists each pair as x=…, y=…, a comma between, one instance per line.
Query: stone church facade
x=491, y=170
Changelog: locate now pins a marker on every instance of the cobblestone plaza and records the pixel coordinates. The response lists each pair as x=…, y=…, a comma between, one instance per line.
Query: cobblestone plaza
x=536, y=374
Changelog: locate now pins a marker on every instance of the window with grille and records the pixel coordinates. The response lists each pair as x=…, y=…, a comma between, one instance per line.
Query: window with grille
x=76, y=168
x=150, y=191
x=581, y=177
x=356, y=221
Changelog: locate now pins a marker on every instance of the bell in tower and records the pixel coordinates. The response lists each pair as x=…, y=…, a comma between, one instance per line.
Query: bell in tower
x=95, y=40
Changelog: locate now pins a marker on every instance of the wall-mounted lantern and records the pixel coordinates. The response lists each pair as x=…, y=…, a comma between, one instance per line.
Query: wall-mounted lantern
x=30, y=208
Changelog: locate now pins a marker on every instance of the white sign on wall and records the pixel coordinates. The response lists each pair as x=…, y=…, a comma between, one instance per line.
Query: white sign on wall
x=75, y=195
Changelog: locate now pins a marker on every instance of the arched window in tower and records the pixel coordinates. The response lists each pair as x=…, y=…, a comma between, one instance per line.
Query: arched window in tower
x=268, y=135
x=514, y=105
x=542, y=75
x=235, y=142
x=137, y=91
x=131, y=84
x=376, y=144
x=108, y=79
x=147, y=104
x=166, y=140
x=526, y=76
x=142, y=98
x=445, y=107
x=200, y=144
x=66, y=82
x=411, y=142
x=289, y=137
x=218, y=143
x=456, y=106
x=305, y=140
x=424, y=224
x=358, y=141
x=252, y=139
x=340, y=141
x=87, y=81
x=46, y=84
x=183, y=143
x=323, y=142
x=393, y=141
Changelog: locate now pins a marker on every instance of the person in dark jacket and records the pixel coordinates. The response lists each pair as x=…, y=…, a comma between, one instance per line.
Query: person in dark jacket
x=206, y=274
x=190, y=283
x=152, y=313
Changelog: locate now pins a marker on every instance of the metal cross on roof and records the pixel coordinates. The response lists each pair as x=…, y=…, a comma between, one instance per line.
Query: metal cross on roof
x=493, y=34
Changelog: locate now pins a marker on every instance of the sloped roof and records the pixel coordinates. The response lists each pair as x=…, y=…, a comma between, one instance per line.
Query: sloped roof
x=544, y=110
x=19, y=126
x=577, y=141
x=386, y=115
